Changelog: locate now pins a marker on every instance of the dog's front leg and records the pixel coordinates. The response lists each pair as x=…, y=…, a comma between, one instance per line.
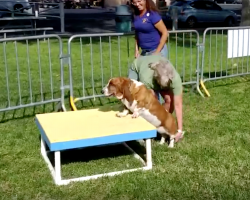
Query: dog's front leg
x=136, y=112
x=123, y=113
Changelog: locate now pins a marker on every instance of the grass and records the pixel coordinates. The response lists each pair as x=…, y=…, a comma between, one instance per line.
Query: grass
x=210, y=163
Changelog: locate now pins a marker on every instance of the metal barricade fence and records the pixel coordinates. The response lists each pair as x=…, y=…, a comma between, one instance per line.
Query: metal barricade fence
x=31, y=72
x=33, y=69
x=95, y=58
x=183, y=52
x=225, y=53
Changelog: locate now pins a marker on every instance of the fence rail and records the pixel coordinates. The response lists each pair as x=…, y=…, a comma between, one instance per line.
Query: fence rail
x=30, y=72
x=104, y=56
x=36, y=71
x=95, y=58
x=226, y=53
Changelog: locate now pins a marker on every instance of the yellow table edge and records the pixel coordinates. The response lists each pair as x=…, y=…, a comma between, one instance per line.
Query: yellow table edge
x=104, y=140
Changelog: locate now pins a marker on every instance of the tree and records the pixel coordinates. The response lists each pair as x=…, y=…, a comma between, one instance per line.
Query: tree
x=245, y=13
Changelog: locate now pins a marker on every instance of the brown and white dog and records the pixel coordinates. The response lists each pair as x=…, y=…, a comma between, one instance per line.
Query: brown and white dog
x=142, y=102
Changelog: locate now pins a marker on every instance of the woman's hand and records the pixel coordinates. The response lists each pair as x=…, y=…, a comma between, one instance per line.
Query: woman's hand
x=137, y=54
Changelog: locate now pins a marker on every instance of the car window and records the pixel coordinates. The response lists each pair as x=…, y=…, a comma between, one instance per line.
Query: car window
x=211, y=6
x=198, y=5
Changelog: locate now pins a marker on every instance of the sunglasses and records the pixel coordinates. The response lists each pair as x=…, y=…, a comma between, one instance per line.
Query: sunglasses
x=137, y=2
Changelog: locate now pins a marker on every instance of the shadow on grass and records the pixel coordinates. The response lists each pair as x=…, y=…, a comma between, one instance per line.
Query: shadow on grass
x=227, y=81
x=31, y=111
x=87, y=154
x=215, y=74
x=30, y=42
x=219, y=74
x=78, y=40
x=187, y=40
x=213, y=32
x=98, y=152
x=92, y=102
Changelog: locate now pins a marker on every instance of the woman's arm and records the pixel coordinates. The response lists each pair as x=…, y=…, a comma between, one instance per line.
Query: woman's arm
x=160, y=26
x=136, y=47
x=178, y=112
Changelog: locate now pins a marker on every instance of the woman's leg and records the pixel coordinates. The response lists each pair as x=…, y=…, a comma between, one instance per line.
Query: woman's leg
x=132, y=74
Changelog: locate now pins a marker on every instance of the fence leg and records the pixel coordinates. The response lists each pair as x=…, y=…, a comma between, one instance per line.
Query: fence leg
x=61, y=6
x=44, y=33
x=204, y=88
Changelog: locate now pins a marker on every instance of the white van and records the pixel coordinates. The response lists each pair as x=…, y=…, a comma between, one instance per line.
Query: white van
x=14, y=5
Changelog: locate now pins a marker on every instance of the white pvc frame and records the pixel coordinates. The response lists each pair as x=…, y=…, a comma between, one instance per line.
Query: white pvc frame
x=56, y=171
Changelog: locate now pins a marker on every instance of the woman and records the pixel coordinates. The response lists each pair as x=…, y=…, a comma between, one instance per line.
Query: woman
x=172, y=95
x=150, y=31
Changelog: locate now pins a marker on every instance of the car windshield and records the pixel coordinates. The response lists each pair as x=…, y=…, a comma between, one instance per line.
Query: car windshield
x=180, y=3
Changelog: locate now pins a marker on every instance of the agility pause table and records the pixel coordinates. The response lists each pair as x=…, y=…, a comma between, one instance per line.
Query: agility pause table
x=85, y=128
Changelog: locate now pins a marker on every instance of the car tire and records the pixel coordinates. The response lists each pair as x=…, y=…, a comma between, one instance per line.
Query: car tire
x=191, y=22
x=229, y=22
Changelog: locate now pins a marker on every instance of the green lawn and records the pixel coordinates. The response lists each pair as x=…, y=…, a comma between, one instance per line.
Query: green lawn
x=210, y=163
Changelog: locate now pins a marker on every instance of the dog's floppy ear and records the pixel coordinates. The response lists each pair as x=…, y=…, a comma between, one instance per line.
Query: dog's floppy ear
x=126, y=92
x=116, y=82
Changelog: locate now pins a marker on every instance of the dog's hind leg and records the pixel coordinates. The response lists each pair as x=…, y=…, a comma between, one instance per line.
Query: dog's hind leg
x=163, y=140
x=162, y=131
x=171, y=142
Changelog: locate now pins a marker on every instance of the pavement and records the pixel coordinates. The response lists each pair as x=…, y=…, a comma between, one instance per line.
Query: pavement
x=99, y=20
x=93, y=20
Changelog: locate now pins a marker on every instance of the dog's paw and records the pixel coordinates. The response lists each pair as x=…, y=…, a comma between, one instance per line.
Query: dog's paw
x=163, y=140
x=135, y=115
x=121, y=114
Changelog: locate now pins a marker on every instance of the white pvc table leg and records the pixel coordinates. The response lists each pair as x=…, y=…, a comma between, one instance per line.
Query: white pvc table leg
x=56, y=171
x=45, y=157
x=57, y=167
x=149, y=153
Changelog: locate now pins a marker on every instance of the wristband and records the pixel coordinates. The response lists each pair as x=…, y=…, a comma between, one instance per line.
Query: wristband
x=180, y=131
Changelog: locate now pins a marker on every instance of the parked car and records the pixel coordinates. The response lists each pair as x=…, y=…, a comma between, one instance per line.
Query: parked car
x=192, y=12
x=11, y=5
x=229, y=1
